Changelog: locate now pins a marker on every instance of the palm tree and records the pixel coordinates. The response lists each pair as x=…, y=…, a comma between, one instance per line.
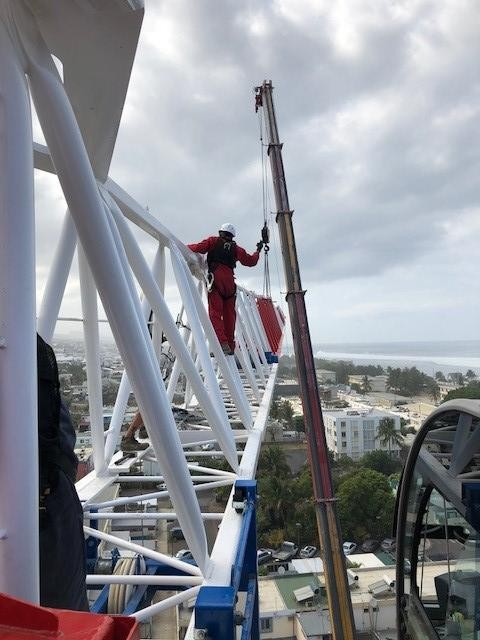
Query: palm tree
x=366, y=386
x=388, y=435
x=273, y=462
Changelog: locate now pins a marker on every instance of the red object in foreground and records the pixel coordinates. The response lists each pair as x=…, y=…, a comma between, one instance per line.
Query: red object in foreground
x=21, y=620
x=269, y=317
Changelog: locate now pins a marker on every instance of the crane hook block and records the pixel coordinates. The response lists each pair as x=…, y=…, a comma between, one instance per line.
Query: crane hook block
x=265, y=234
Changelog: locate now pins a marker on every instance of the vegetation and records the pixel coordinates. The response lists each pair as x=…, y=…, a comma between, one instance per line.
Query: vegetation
x=299, y=424
x=366, y=386
x=388, y=435
x=410, y=382
x=341, y=368
x=76, y=369
x=286, y=500
x=282, y=410
x=471, y=391
x=365, y=505
x=381, y=462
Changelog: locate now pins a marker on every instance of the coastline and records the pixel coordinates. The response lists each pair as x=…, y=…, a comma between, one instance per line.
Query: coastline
x=426, y=364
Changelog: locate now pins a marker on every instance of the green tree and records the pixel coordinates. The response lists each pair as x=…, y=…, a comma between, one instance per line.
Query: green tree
x=273, y=461
x=457, y=378
x=274, y=409
x=380, y=461
x=299, y=424
x=285, y=412
x=433, y=390
x=471, y=391
x=470, y=375
x=366, y=386
x=388, y=435
x=440, y=377
x=365, y=505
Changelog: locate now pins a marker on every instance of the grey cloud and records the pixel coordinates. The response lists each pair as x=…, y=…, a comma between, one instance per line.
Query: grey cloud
x=376, y=202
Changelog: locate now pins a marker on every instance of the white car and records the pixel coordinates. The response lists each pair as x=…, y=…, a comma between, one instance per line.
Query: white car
x=349, y=547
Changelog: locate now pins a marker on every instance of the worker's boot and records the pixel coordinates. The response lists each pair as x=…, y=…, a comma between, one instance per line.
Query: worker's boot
x=132, y=444
x=226, y=349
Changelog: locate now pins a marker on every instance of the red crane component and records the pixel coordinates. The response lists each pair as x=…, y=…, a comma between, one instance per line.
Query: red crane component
x=269, y=318
x=24, y=621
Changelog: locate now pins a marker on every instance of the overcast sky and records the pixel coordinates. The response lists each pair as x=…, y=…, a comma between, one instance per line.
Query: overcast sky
x=378, y=108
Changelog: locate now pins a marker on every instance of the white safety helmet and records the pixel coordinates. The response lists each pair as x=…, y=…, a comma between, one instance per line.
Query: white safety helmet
x=228, y=228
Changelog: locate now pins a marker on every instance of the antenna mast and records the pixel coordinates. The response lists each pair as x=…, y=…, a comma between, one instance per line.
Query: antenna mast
x=336, y=580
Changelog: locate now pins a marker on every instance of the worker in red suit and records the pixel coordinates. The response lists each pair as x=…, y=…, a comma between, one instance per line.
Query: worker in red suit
x=223, y=253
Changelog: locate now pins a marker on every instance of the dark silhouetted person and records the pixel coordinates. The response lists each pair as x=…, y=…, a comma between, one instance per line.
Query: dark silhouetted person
x=62, y=542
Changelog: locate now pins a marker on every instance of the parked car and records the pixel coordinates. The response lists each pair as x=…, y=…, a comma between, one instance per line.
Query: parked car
x=308, y=552
x=369, y=546
x=263, y=556
x=349, y=547
x=388, y=544
x=209, y=446
x=176, y=534
x=287, y=551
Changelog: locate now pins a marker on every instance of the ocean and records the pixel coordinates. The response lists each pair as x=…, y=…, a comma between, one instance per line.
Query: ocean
x=448, y=356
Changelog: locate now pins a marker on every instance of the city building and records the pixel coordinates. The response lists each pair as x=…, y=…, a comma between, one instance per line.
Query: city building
x=446, y=387
x=377, y=384
x=355, y=432
x=324, y=375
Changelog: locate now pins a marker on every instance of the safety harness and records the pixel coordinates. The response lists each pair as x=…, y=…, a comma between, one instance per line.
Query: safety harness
x=224, y=252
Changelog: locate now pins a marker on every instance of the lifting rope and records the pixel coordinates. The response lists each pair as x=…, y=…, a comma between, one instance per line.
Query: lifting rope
x=267, y=292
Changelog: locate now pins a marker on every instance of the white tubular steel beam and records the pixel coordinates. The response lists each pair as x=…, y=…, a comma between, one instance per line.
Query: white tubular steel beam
x=253, y=347
x=177, y=368
x=154, y=609
x=237, y=393
x=92, y=359
x=224, y=550
x=19, y=574
x=125, y=388
x=144, y=515
x=244, y=359
x=137, y=214
x=78, y=183
x=183, y=282
x=258, y=321
x=121, y=402
x=157, y=494
x=158, y=271
x=57, y=279
x=174, y=581
x=222, y=430
x=136, y=548
x=254, y=328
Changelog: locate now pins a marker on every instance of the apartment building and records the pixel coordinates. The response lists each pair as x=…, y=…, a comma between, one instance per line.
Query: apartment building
x=377, y=384
x=355, y=432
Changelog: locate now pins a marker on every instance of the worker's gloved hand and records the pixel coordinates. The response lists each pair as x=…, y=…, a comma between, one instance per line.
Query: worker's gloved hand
x=259, y=246
x=196, y=264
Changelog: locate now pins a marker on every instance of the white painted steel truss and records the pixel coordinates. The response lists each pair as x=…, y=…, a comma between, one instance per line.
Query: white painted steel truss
x=227, y=398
